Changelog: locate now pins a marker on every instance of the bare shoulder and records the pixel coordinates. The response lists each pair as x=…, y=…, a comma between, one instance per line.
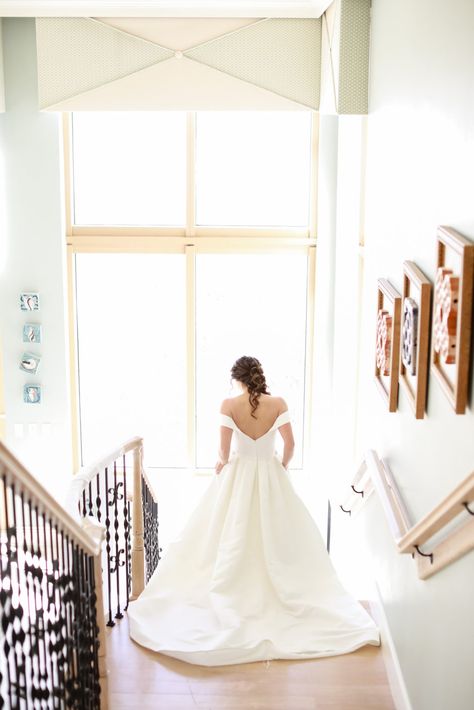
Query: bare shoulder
x=279, y=404
x=226, y=407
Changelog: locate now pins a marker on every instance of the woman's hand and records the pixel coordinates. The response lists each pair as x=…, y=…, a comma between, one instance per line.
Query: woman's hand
x=219, y=466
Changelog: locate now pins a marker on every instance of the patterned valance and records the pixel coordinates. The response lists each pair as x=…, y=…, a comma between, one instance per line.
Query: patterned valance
x=207, y=63
x=89, y=64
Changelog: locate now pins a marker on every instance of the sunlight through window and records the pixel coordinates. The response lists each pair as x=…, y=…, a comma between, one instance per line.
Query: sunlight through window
x=249, y=304
x=132, y=371
x=129, y=168
x=253, y=168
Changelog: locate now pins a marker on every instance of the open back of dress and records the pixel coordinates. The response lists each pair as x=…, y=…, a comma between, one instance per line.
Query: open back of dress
x=249, y=578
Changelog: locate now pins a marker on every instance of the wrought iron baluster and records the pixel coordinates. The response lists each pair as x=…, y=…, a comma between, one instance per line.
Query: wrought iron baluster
x=6, y=594
x=64, y=641
x=126, y=533
x=98, y=499
x=54, y=606
x=39, y=606
x=118, y=551
x=150, y=529
x=90, y=500
x=26, y=585
x=110, y=622
x=129, y=549
x=46, y=607
x=18, y=635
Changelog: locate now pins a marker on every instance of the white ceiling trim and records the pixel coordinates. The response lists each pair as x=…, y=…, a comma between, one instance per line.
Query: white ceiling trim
x=163, y=8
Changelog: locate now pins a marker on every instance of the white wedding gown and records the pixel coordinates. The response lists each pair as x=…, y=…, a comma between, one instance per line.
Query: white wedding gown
x=249, y=578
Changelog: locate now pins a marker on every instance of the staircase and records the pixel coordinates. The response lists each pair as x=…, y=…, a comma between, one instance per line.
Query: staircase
x=66, y=579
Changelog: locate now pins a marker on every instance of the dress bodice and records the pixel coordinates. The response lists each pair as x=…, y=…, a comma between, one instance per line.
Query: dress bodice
x=261, y=448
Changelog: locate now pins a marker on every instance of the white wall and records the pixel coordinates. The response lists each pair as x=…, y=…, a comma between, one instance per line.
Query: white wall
x=33, y=259
x=2, y=83
x=420, y=159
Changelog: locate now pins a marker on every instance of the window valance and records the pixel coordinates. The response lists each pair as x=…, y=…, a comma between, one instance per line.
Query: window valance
x=165, y=63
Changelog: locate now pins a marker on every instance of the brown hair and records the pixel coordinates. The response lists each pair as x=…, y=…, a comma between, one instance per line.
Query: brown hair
x=249, y=371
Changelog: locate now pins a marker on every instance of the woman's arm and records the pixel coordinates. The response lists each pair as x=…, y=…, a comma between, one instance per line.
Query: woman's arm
x=288, y=443
x=286, y=432
x=224, y=448
x=225, y=439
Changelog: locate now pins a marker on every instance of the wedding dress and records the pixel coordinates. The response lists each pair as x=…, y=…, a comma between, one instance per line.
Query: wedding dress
x=249, y=578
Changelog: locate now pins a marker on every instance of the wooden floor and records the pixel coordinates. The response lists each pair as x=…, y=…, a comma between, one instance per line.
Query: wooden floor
x=140, y=678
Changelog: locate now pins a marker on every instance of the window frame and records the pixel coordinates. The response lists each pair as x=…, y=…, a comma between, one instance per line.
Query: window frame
x=190, y=240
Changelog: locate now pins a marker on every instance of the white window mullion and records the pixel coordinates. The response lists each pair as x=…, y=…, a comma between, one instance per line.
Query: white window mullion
x=313, y=193
x=310, y=291
x=190, y=251
x=190, y=174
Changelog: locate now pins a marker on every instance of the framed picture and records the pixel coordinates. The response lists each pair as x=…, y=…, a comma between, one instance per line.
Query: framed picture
x=387, y=342
x=29, y=363
x=452, y=310
x=31, y=333
x=415, y=336
x=32, y=394
x=29, y=301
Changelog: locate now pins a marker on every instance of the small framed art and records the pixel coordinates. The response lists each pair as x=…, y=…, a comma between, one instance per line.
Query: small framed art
x=387, y=342
x=452, y=312
x=29, y=301
x=29, y=363
x=32, y=394
x=31, y=333
x=415, y=335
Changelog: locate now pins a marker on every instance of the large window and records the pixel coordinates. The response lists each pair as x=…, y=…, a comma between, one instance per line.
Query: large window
x=191, y=239
x=129, y=168
x=131, y=313
x=253, y=169
x=249, y=304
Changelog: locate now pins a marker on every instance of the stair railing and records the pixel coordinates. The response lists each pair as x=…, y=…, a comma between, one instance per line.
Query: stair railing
x=52, y=640
x=374, y=474
x=105, y=493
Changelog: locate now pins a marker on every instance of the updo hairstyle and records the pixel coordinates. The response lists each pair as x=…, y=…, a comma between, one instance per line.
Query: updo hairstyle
x=249, y=371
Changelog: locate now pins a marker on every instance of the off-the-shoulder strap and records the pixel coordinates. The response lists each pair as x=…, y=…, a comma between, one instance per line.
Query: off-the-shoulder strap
x=227, y=421
x=281, y=419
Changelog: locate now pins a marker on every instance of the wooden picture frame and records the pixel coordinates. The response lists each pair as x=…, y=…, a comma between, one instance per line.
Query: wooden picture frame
x=415, y=336
x=387, y=345
x=452, y=313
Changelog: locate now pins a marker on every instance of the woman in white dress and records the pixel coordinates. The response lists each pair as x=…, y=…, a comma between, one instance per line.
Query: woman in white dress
x=249, y=578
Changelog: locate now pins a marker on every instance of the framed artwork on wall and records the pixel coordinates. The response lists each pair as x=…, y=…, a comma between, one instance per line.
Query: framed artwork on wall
x=452, y=311
x=415, y=335
x=387, y=342
x=29, y=301
x=29, y=363
x=31, y=333
x=32, y=394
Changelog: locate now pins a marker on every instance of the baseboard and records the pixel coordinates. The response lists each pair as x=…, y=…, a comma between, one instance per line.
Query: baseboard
x=392, y=664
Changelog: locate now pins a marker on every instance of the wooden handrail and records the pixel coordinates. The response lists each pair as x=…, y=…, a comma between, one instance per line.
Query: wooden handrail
x=86, y=482
x=441, y=515
x=87, y=473
x=46, y=500
x=375, y=474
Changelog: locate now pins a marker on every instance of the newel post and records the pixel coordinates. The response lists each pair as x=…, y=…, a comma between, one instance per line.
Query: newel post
x=138, y=552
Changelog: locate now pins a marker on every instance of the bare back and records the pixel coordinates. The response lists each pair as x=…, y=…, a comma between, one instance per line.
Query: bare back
x=268, y=409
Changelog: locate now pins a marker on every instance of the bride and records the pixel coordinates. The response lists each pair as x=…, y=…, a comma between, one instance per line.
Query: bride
x=248, y=578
